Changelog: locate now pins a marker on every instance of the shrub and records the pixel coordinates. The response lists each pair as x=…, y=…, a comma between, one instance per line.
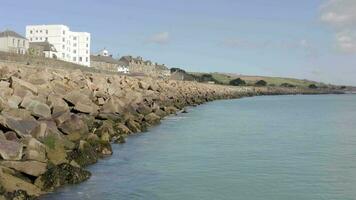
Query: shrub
x=287, y=85
x=261, y=83
x=313, y=86
x=237, y=82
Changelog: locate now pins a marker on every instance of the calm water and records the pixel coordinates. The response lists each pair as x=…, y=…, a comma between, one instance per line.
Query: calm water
x=277, y=148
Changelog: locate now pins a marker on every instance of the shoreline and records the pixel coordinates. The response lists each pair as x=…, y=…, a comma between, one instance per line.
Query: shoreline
x=55, y=122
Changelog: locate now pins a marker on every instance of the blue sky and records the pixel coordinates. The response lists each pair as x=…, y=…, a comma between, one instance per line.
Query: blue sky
x=312, y=39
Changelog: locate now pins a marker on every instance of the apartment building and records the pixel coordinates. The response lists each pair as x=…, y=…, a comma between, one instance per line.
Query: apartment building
x=71, y=46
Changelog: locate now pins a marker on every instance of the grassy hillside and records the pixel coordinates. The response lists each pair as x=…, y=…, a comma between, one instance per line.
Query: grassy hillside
x=225, y=78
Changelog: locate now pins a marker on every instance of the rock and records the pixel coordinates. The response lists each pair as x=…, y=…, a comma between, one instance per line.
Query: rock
x=85, y=154
x=122, y=129
x=40, y=131
x=61, y=117
x=103, y=148
x=133, y=126
x=120, y=139
x=18, y=114
x=3, y=104
x=33, y=168
x=36, y=107
x=110, y=107
x=81, y=102
x=14, y=101
x=101, y=101
x=10, y=135
x=143, y=85
x=2, y=135
x=160, y=113
x=14, y=184
x=10, y=150
x=105, y=131
x=61, y=175
x=15, y=82
x=55, y=150
x=74, y=128
x=144, y=110
x=170, y=110
x=86, y=108
x=35, y=150
x=21, y=127
x=57, y=104
x=152, y=118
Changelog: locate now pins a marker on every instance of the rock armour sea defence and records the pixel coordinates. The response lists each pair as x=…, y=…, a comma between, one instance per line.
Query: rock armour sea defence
x=55, y=122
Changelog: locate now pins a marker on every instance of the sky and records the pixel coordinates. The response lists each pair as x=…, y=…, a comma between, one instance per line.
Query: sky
x=308, y=39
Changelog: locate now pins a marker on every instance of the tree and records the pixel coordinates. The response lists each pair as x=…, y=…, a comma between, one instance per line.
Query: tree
x=313, y=86
x=237, y=82
x=261, y=83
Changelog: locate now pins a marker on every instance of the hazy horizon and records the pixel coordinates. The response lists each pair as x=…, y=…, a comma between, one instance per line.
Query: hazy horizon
x=303, y=39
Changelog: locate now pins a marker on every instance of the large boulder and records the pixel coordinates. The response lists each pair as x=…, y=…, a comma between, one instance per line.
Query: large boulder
x=16, y=82
x=74, y=128
x=13, y=184
x=122, y=129
x=14, y=101
x=34, y=150
x=58, y=175
x=37, y=108
x=57, y=104
x=33, y=168
x=22, y=127
x=152, y=118
x=10, y=150
x=81, y=102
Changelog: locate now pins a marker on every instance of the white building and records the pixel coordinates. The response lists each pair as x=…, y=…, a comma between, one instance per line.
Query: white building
x=13, y=42
x=71, y=46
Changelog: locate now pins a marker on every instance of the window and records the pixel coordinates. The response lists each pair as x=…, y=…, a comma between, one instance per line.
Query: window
x=64, y=32
x=87, y=59
x=40, y=38
x=46, y=31
x=74, y=51
x=63, y=39
x=36, y=38
x=30, y=31
x=36, y=31
x=74, y=38
x=63, y=56
x=30, y=39
x=23, y=43
x=75, y=44
x=40, y=31
x=13, y=42
x=87, y=45
x=80, y=59
x=87, y=51
x=46, y=38
x=63, y=46
x=87, y=38
x=74, y=59
x=18, y=43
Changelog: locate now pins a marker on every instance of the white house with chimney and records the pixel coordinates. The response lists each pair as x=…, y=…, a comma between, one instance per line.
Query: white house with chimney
x=70, y=46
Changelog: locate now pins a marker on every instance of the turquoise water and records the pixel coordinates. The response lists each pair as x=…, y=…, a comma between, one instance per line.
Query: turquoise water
x=272, y=147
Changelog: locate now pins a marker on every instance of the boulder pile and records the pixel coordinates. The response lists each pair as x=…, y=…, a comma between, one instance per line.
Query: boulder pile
x=55, y=122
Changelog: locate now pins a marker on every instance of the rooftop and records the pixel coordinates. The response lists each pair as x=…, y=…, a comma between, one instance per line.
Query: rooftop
x=9, y=33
